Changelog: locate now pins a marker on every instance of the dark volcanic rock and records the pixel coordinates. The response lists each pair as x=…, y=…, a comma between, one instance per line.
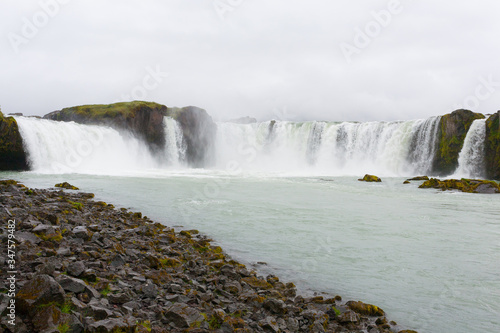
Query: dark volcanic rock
x=453, y=129
x=493, y=146
x=42, y=290
x=12, y=155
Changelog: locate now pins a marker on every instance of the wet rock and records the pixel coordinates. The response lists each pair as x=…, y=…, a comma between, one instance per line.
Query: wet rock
x=365, y=309
x=418, y=178
x=66, y=186
x=370, y=178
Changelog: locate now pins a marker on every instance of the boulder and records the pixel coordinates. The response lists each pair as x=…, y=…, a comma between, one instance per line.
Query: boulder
x=12, y=154
x=73, y=285
x=39, y=291
x=66, y=186
x=492, y=146
x=370, y=178
x=112, y=325
x=51, y=319
x=365, y=309
x=453, y=129
x=183, y=316
x=76, y=268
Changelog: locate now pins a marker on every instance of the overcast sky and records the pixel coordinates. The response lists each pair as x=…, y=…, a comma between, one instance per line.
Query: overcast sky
x=284, y=59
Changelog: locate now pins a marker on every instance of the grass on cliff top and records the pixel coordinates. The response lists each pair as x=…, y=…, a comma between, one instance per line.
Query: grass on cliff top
x=125, y=109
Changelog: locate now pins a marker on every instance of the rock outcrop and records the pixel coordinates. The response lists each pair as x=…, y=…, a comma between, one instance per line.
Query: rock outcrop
x=144, y=119
x=199, y=131
x=464, y=185
x=453, y=129
x=493, y=146
x=12, y=155
x=370, y=179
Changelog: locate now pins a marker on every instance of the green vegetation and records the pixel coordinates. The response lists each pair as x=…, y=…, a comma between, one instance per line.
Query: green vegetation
x=453, y=129
x=107, y=111
x=63, y=328
x=76, y=205
x=493, y=146
x=370, y=179
x=67, y=186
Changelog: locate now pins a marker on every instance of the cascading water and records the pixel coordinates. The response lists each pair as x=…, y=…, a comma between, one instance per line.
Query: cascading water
x=311, y=148
x=471, y=158
x=67, y=147
x=385, y=148
x=175, y=147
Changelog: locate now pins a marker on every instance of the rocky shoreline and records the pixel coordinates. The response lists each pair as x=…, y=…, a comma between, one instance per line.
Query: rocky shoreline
x=84, y=266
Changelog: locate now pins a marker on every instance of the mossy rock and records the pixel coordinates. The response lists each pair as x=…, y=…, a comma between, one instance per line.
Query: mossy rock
x=365, y=309
x=418, y=178
x=370, y=179
x=453, y=129
x=12, y=154
x=67, y=186
x=464, y=185
x=256, y=283
x=492, y=146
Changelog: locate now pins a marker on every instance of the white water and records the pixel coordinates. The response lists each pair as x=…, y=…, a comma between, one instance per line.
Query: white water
x=471, y=160
x=67, y=147
x=383, y=148
x=175, y=147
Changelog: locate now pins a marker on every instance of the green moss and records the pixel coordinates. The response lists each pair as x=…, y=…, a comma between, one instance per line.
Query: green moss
x=105, y=292
x=493, y=146
x=63, y=328
x=66, y=186
x=146, y=324
x=370, y=178
x=464, y=185
x=76, y=205
x=453, y=129
x=337, y=312
x=169, y=262
x=103, y=111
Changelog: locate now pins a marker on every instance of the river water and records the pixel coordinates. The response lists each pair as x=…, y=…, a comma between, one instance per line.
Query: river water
x=430, y=259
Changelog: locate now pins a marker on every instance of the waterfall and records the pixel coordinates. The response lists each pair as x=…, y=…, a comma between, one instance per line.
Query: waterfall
x=67, y=147
x=399, y=148
x=472, y=156
x=175, y=147
x=385, y=148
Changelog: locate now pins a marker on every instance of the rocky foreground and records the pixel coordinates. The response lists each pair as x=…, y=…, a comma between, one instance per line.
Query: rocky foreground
x=84, y=266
